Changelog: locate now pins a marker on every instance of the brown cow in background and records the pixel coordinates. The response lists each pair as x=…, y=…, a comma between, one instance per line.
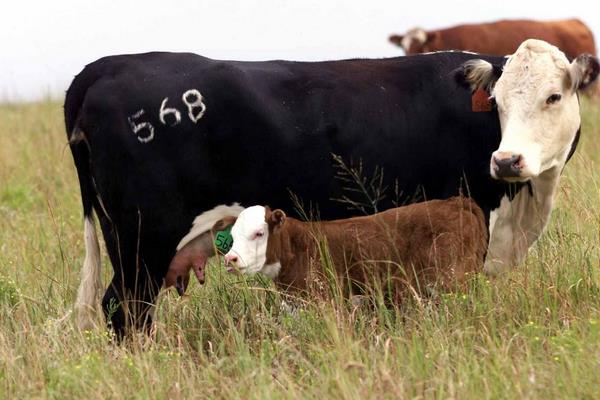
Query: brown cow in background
x=500, y=38
x=503, y=37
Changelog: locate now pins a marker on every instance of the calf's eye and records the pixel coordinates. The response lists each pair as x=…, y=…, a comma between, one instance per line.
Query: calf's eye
x=555, y=98
x=259, y=234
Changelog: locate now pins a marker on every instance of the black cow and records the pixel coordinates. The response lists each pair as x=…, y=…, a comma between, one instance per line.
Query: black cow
x=158, y=138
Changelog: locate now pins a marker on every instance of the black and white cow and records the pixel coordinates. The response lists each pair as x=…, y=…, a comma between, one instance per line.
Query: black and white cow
x=159, y=138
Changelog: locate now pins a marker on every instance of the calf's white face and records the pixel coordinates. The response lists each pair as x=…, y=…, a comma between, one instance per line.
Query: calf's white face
x=250, y=235
x=536, y=96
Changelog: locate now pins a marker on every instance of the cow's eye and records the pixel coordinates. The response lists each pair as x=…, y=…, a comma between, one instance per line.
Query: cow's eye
x=259, y=234
x=555, y=98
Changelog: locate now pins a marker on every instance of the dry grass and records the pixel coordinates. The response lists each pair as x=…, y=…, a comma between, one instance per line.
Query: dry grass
x=535, y=333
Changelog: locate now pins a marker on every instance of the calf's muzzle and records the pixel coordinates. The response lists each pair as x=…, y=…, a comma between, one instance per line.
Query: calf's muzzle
x=231, y=258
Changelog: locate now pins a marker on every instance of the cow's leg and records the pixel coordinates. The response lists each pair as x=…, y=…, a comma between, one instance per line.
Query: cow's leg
x=127, y=304
x=135, y=284
x=112, y=306
x=128, y=300
x=153, y=263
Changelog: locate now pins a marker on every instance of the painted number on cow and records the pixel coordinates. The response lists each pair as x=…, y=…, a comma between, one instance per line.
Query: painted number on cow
x=173, y=113
x=142, y=129
x=168, y=115
x=193, y=100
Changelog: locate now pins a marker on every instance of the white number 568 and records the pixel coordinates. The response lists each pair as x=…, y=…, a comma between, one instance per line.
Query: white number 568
x=168, y=116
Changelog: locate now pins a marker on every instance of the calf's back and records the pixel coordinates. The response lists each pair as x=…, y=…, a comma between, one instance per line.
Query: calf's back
x=432, y=243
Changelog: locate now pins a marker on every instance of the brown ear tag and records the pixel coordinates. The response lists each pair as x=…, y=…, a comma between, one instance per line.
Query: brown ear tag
x=480, y=101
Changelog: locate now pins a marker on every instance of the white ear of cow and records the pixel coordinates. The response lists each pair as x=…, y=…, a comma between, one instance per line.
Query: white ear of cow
x=479, y=74
x=583, y=71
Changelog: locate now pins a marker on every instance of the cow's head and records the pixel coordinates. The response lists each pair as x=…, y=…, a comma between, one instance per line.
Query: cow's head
x=414, y=41
x=254, y=235
x=536, y=96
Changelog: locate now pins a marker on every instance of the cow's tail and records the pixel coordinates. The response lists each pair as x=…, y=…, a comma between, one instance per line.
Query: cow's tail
x=87, y=306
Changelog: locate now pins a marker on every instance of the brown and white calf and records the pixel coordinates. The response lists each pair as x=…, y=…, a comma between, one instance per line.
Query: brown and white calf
x=434, y=242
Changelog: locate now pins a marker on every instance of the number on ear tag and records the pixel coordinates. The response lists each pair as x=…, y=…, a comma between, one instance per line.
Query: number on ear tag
x=224, y=240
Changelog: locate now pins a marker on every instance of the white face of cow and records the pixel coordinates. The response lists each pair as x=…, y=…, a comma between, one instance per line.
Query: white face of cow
x=536, y=96
x=250, y=235
x=413, y=38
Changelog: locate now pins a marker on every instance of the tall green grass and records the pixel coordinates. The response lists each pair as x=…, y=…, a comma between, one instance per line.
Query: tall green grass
x=533, y=333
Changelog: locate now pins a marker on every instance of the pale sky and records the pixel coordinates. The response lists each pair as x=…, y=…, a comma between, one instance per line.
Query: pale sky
x=44, y=43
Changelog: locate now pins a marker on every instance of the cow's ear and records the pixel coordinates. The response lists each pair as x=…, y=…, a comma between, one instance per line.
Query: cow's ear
x=478, y=74
x=223, y=223
x=583, y=71
x=277, y=218
x=396, y=39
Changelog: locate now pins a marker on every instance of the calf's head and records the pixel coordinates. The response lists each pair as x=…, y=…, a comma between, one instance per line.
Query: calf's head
x=536, y=96
x=255, y=234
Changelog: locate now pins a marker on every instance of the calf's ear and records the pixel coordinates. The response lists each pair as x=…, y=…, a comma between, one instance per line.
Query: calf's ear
x=478, y=74
x=223, y=223
x=277, y=218
x=583, y=71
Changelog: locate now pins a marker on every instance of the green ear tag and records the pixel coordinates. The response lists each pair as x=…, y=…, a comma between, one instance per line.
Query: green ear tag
x=224, y=240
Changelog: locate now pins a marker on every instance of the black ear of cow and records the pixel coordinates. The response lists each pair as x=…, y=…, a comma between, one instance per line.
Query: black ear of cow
x=477, y=74
x=584, y=71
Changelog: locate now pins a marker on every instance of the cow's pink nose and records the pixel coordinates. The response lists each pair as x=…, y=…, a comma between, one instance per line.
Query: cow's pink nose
x=230, y=258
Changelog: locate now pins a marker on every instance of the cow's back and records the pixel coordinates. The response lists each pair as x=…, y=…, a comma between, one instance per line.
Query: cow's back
x=441, y=241
x=504, y=37
x=433, y=243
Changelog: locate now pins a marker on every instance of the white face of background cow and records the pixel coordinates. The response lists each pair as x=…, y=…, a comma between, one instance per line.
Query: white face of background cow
x=414, y=41
x=250, y=235
x=536, y=96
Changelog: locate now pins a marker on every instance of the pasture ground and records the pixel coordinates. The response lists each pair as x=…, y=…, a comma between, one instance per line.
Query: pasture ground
x=534, y=333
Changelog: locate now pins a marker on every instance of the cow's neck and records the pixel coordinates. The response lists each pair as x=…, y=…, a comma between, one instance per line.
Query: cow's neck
x=516, y=224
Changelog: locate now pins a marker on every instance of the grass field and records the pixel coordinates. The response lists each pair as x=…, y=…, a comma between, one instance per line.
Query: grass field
x=534, y=333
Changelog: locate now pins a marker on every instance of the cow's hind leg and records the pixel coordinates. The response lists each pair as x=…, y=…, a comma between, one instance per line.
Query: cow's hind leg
x=133, y=289
x=140, y=265
x=128, y=303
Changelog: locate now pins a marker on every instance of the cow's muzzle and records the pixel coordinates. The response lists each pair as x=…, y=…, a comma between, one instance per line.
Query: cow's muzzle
x=506, y=165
